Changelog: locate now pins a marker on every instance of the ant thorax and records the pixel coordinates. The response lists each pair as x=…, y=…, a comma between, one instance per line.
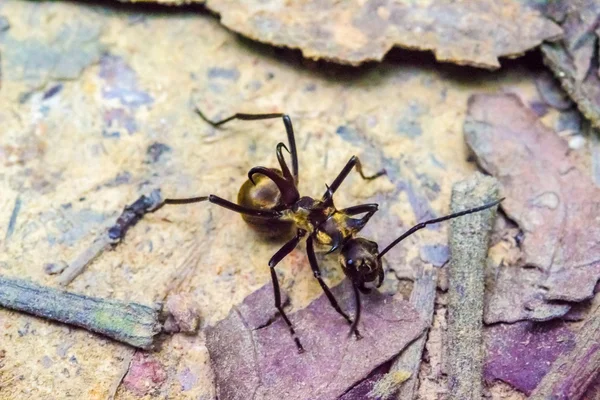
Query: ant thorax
x=329, y=226
x=309, y=214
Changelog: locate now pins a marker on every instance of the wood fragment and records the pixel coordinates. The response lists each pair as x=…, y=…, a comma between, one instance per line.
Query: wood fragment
x=84, y=259
x=423, y=299
x=469, y=239
x=130, y=216
x=131, y=323
x=388, y=384
x=114, y=387
x=13, y=218
x=574, y=370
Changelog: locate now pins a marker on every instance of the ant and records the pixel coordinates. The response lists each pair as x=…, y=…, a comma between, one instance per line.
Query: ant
x=270, y=203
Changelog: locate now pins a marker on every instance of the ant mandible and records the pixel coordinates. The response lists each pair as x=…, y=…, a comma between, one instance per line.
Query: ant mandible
x=270, y=203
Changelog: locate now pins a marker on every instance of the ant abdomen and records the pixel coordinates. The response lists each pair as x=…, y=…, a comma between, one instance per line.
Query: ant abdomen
x=264, y=194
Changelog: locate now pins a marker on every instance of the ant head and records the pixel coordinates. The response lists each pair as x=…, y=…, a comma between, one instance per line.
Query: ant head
x=360, y=262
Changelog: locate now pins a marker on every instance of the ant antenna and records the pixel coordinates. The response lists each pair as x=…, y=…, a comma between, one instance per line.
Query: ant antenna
x=435, y=221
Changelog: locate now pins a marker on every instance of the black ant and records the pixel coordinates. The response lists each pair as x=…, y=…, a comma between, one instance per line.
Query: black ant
x=270, y=203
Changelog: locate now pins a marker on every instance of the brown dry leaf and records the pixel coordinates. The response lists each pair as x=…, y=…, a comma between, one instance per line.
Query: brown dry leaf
x=574, y=60
x=554, y=203
x=352, y=32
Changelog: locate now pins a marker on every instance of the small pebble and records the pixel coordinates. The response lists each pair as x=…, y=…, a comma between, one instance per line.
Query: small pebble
x=576, y=142
x=55, y=268
x=184, y=314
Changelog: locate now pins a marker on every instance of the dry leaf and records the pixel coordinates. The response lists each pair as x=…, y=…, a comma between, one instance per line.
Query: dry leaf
x=251, y=358
x=554, y=203
x=574, y=60
x=521, y=354
x=353, y=32
x=551, y=93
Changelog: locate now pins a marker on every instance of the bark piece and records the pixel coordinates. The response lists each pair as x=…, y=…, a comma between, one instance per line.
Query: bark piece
x=461, y=32
x=130, y=323
x=574, y=60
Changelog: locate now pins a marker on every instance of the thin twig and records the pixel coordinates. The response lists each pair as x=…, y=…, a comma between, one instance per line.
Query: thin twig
x=84, y=259
x=123, y=371
x=130, y=216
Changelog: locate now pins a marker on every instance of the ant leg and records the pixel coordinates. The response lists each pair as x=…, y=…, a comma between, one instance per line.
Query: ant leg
x=288, y=190
x=370, y=209
x=280, y=255
x=358, y=224
x=353, y=162
x=227, y=204
x=287, y=122
x=284, y=168
x=353, y=328
x=310, y=250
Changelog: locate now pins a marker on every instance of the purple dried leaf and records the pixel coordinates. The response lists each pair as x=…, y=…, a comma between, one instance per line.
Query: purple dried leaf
x=257, y=362
x=257, y=309
x=515, y=285
x=593, y=391
x=547, y=195
x=577, y=367
x=521, y=354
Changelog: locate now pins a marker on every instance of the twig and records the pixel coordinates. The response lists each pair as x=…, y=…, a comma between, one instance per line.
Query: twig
x=13, y=218
x=130, y=323
x=130, y=216
x=574, y=370
x=469, y=240
x=423, y=299
x=84, y=259
x=125, y=364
